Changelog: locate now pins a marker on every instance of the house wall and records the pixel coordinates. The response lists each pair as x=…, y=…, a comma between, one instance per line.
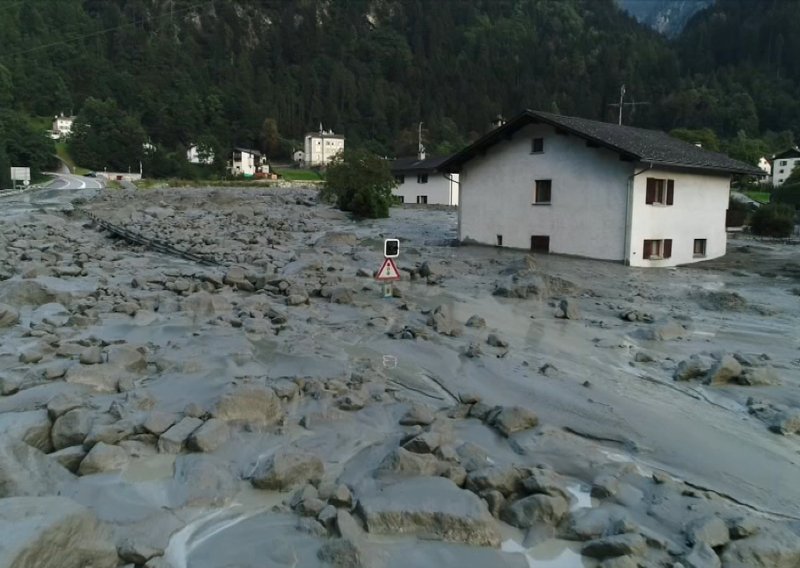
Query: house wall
x=697, y=212
x=781, y=171
x=247, y=165
x=319, y=151
x=440, y=190
x=587, y=213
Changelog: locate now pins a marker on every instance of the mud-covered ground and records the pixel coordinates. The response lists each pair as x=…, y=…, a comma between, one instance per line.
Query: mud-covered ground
x=275, y=410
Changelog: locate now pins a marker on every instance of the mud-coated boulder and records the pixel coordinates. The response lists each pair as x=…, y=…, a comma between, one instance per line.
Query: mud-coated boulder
x=32, y=427
x=428, y=506
x=535, y=509
x=71, y=428
x=616, y=545
x=53, y=532
x=103, y=457
x=27, y=472
x=512, y=419
x=777, y=548
x=9, y=315
x=724, y=371
x=711, y=530
x=403, y=462
x=287, y=469
x=251, y=404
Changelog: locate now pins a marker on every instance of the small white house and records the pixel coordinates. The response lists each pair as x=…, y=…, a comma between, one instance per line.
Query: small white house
x=299, y=157
x=558, y=184
x=783, y=164
x=320, y=147
x=419, y=181
x=62, y=126
x=199, y=155
x=246, y=162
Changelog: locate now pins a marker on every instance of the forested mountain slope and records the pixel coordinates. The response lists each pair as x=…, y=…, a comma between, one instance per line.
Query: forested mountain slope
x=178, y=71
x=668, y=17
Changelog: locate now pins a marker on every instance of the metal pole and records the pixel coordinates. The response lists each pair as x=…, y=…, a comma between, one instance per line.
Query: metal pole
x=621, y=99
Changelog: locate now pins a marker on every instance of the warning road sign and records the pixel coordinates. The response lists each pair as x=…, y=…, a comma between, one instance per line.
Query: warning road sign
x=388, y=271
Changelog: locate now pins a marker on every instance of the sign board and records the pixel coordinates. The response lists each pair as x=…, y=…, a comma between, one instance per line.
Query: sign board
x=391, y=248
x=388, y=271
x=20, y=174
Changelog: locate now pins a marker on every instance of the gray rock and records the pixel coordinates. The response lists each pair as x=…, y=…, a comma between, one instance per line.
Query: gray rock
x=31, y=427
x=786, y=422
x=692, y=368
x=568, y=309
x=296, y=299
x=9, y=315
x=495, y=341
x=158, y=422
x=512, y=419
x=425, y=443
x=210, y=436
x=31, y=356
x=109, y=433
x=127, y=358
x=417, y=414
x=28, y=472
x=472, y=456
x=428, y=506
x=643, y=357
x=724, y=371
x=341, y=295
x=102, y=458
x=535, y=509
x=495, y=501
x=340, y=553
x=311, y=507
x=616, y=545
x=663, y=330
x=101, y=378
x=341, y=497
x=758, y=376
x=742, y=527
x=136, y=551
x=251, y=404
x=623, y=562
x=596, y=522
x=402, y=462
x=507, y=480
x=204, y=480
x=173, y=440
x=286, y=469
x=473, y=350
x=476, y=321
x=604, y=486
x=70, y=458
x=71, y=428
x=702, y=556
x=92, y=356
x=350, y=402
x=546, y=481
x=63, y=403
x=327, y=517
x=53, y=532
x=710, y=530
x=777, y=548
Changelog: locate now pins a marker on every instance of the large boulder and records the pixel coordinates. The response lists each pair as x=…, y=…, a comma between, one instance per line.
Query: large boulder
x=506, y=480
x=101, y=378
x=203, y=481
x=9, y=315
x=71, y=428
x=173, y=440
x=251, y=404
x=692, y=368
x=208, y=437
x=204, y=304
x=403, y=462
x=617, y=545
x=710, y=530
x=428, y=506
x=512, y=419
x=31, y=427
x=287, y=469
x=724, y=371
x=535, y=509
x=53, y=532
x=102, y=458
x=777, y=548
x=27, y=472
x=595, y=522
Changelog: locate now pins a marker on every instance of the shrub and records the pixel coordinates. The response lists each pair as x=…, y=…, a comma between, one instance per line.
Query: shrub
x=788, y=194
x=737, y=213
x=775, y=220
x=360, y=182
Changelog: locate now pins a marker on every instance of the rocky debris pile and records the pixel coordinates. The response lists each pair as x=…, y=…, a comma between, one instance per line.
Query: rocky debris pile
x=636, y=316
x=779, y=418
x=722, y=368
x=719, y=301
x=568, y=309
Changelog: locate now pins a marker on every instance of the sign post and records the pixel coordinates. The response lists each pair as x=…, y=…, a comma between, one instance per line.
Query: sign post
x=388, y=271
x=20, y=174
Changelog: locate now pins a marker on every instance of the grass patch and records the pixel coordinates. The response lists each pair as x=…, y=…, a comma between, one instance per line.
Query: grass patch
x=63, y=153
x=293, y=174
x=760, y=196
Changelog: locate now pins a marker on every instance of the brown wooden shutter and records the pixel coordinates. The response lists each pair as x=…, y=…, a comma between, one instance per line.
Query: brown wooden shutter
x=651, y=191
x=646, y=249
x=667, y=248
x=670, y=191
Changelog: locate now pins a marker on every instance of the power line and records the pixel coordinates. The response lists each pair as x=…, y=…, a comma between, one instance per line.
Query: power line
x=96, y=33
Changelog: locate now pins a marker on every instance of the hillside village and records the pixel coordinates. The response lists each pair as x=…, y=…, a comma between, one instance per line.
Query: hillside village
x=367, y=288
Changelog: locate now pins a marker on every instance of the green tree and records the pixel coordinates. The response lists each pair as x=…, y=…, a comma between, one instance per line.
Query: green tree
x=773, y=220
x=22, y=144
x=105, y=136
x=360, y=182
x=704, y=136
x=270, y=138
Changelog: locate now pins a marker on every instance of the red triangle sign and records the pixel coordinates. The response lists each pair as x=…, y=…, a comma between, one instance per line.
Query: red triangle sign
x=388, y=271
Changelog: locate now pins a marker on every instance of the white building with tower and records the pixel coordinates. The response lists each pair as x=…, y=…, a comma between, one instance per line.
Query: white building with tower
x=567, y=185
x=783, y=164
x=320, y=147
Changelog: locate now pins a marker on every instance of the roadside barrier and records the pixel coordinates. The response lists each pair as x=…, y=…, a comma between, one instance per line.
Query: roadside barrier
x=151, y=243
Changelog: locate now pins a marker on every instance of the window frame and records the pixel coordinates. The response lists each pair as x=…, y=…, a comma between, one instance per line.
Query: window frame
x=663, y=249
x=540, y=187
x=659, y=192
x=422, y=178
x=538, y=141
x=702, y=254
x=422, y=199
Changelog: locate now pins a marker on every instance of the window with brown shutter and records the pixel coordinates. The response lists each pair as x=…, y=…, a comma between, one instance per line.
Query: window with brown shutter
x=667, y=248
x=660, y=191
x=648, y=245
x=657, y=249
x=670, y=191
x=651, y=191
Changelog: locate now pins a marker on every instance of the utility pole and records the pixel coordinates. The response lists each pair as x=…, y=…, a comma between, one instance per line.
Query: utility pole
x=622, y=104
x=420, y=147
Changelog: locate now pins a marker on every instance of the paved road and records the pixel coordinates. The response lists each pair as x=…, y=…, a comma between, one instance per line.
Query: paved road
x=70, y=181
x=54, y=195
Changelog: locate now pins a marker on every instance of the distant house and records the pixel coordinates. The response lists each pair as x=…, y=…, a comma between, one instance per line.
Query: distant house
x=552, y=183
x=320, y=147
x=246, y=162
x=764, y=165
x=299, y=157
x=783, y=164
x=62, y=126
x=199, y=155
x=419, y=181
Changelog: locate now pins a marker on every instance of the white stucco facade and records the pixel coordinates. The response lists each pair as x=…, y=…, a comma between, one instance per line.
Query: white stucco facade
x=62, y=126
x=597, y=207
x=319, y=148
x=436, y=188
x=697, y=212
x=247, y=163
x=782, y=168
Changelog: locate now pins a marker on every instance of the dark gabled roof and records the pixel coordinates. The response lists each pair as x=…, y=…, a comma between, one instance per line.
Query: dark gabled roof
x=247, y=150
x=635, y=144
x=416, y=166
x=790, y=153
x=325, y=135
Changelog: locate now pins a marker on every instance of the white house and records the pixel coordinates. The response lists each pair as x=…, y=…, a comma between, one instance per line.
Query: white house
x=559, y=184
x=246, y=162
x=420, y=181
x=62, y=126
x=299, y=157
x=199, y=155
x=320, y=147
x=783, y=164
